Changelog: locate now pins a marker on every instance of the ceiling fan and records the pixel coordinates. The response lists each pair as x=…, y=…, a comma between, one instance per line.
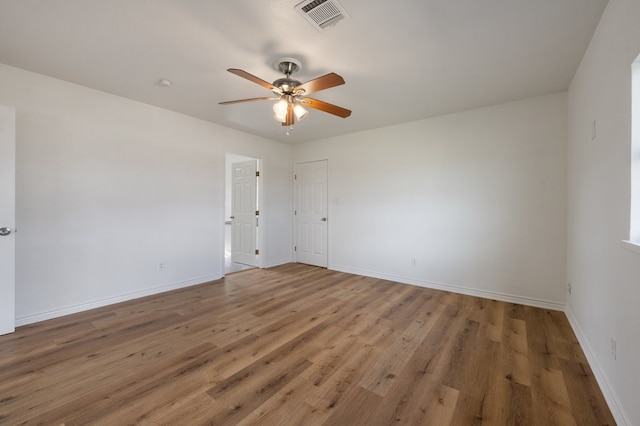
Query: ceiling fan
x=291, y=94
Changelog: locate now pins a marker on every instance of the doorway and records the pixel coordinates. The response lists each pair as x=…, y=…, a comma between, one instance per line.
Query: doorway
x=241, y=213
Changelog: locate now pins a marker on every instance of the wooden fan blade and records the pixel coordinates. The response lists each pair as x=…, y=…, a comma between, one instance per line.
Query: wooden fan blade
x=320, y=83
x=246, y=100
x=290, y=116
x=252, y=78
x=326, y=107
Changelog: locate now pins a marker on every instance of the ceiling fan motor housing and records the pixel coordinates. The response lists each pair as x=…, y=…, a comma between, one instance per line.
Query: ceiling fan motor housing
x=286, y=85
x=287, y=66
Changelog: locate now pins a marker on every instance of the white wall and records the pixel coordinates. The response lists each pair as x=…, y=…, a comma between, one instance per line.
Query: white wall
x=107, y=188
x=605, y=273
x=477, y=198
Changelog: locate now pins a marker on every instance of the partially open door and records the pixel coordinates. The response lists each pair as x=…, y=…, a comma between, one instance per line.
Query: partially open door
x=7, y=219
x=244, y=212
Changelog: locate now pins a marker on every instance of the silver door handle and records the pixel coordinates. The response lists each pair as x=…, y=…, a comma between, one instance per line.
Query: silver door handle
x=324, y=219
x=5, y=231
x=232, y=217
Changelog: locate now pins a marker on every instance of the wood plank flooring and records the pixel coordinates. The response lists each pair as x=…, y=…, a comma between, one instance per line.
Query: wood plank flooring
x=300, y=345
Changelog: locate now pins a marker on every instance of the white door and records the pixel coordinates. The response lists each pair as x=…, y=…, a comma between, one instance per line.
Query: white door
x=311, y=213
x=244, y=204
x=7, y=219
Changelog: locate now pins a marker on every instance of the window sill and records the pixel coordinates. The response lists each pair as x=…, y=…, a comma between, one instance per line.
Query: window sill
x=630, y=245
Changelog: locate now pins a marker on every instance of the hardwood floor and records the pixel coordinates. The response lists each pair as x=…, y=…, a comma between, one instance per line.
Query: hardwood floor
x=299, y=345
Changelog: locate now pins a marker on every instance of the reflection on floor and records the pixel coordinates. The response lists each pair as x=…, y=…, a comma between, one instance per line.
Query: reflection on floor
x=229, y=265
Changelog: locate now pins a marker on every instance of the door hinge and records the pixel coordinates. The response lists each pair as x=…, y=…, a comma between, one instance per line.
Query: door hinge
x=257, y=173
x=257, y=251
x=257, y=212
x=295, y=248
x=295, y=177
x=295, y=212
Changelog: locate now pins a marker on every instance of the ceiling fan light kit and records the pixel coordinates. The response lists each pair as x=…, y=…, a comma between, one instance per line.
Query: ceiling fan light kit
x=290, y=93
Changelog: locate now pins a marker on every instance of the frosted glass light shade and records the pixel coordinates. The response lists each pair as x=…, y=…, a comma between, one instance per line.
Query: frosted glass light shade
x=300, y=112
x=280, y=110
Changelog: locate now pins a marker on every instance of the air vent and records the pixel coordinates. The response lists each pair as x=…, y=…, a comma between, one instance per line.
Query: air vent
x=322, y=13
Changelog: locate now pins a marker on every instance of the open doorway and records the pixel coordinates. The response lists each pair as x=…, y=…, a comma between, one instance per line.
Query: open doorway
x=241, y=213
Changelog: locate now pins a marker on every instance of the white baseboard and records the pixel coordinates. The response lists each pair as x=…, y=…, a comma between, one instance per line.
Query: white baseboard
x=528, y=301
x=605, y=387
x=43, y=316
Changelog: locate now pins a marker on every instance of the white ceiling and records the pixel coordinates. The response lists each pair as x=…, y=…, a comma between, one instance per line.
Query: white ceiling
x=402, y=60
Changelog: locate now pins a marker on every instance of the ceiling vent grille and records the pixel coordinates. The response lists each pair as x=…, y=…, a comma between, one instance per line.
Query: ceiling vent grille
x=322, y=13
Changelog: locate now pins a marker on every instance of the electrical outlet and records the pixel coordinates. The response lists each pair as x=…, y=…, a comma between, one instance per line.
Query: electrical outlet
x=413, y=261
x=569, y=288
x=614, y=348
x=162, y=266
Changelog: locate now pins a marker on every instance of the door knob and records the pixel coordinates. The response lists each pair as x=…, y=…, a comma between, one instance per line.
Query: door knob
x=5, y=231
x=324, y=219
